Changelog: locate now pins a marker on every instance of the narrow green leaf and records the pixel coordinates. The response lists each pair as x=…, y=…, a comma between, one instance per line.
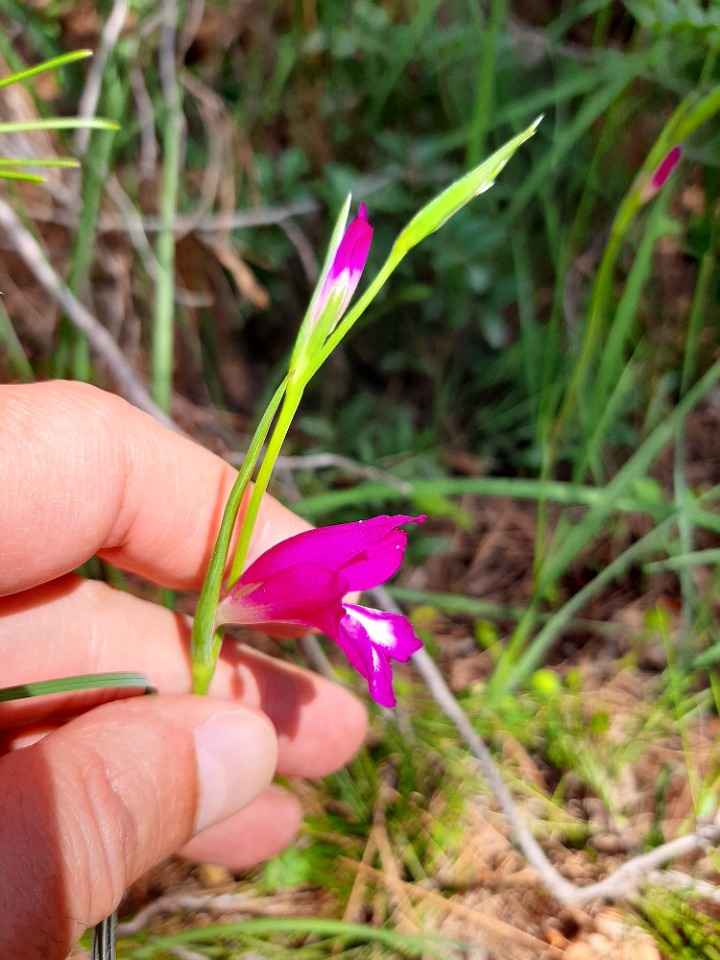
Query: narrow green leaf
x=17, y=362
x=39, y=162
x=58, y=123
x=89, y=681
x=454, y=197
x=45, y=66
x=23, y=177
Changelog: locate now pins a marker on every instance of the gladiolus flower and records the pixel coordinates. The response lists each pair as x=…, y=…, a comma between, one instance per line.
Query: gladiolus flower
x=661, y=174
x=303, y=581
x=347, y=266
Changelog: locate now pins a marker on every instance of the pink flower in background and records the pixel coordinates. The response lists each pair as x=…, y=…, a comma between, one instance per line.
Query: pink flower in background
x=303, y=581
x=347, y=265
x=660, y=176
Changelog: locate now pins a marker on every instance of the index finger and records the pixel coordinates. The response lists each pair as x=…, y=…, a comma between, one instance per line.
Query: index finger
x=82, y=472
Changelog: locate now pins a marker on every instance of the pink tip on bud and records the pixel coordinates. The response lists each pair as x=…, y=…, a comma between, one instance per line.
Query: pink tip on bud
x=354, y=247
x=347, y=265
x=661, y=174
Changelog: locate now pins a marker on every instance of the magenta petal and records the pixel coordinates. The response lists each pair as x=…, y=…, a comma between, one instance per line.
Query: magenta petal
x=353, y=249
x=358, y=549
x=661, y=174
x=307, y=594
x=377, y=563
x=370, y=639
x=302, y=581
x=665, y=168
x=392, y=632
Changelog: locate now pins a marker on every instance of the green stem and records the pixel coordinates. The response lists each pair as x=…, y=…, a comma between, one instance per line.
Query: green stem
x=688, y=116
x=699, y=311
x=602, y=289
x=17, y=362
x=163, y=328
x=96, y=165
x=206, y=641
x=485, y=83
x=291, y=402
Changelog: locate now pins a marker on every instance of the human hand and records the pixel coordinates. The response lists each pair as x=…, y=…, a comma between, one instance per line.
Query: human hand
x=95, y=791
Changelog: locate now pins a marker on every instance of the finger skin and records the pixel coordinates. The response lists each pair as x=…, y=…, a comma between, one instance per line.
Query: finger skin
x=84, y=472
x=100, y=801
x=76, y=626
x=244, y=840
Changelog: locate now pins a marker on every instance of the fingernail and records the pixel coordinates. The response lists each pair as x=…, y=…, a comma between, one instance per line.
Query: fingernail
x=236, y=755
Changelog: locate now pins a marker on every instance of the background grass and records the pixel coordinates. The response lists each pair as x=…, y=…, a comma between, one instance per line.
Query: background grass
x=540, y=376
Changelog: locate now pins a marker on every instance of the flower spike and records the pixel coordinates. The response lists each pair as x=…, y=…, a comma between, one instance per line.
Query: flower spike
x=303, y=581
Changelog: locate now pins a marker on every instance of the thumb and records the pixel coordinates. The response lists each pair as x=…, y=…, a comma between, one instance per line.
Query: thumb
x=95, y=804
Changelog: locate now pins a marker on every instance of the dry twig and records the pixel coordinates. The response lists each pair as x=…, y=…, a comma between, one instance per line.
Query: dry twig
x=182, y=953
x=25, y=244
x=681, y=881
x=149, y=151
x=88, y=102
x=323, y=461
x=184, y=222
x=235, y=905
